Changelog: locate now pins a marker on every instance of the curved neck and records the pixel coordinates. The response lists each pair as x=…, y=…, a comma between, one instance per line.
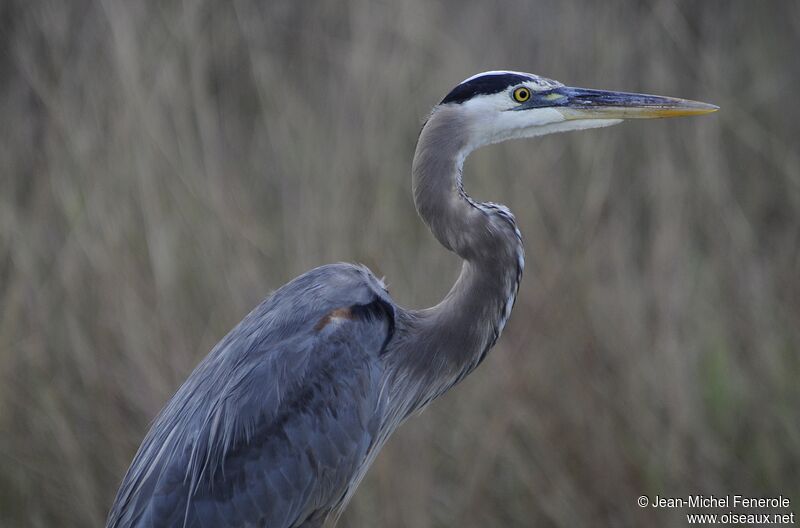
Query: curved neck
x=446, y=342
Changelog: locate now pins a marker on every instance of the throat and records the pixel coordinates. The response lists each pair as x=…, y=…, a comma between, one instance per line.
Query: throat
x=438, y=346
x=484, y=235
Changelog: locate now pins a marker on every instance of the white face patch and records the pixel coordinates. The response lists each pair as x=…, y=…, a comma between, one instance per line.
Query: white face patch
x=493, y=119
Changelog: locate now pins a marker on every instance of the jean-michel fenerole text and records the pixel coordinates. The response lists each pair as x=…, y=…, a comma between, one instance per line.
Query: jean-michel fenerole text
x=720, y=501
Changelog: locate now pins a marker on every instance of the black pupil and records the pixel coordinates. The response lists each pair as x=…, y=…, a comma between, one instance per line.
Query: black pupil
x=522, y=94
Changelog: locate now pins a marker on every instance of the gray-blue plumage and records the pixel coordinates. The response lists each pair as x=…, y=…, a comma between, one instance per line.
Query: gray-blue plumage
x=234, y=450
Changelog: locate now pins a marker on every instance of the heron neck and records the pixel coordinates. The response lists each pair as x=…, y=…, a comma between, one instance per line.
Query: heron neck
x=452, y=338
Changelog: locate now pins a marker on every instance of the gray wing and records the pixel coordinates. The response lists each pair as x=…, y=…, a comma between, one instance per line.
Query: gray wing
x=272, y=427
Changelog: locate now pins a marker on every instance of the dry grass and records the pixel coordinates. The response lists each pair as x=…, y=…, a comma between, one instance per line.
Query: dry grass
x=166, y=164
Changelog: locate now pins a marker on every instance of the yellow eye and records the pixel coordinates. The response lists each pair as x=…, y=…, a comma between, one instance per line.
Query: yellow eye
x=522, y=94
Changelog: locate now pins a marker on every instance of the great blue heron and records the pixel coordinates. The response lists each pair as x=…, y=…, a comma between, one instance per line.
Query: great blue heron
x=279, y=423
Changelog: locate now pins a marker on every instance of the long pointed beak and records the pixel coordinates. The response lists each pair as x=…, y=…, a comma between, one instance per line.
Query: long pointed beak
x=582, y=103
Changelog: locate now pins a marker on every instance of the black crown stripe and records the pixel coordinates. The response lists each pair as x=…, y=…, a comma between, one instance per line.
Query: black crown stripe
x=483, y=85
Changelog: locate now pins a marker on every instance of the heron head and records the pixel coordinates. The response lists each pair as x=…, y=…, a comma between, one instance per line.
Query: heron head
x=502, y=105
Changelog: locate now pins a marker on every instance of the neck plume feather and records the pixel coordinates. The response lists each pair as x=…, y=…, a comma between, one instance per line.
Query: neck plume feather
x=446, y=342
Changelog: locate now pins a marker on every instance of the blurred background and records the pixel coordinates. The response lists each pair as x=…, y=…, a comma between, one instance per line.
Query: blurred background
x=165, y=165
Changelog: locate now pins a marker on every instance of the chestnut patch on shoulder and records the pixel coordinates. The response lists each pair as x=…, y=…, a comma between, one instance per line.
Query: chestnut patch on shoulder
x=339, y=313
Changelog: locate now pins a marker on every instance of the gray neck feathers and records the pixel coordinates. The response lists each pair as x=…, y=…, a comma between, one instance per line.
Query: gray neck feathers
x=446, y=342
